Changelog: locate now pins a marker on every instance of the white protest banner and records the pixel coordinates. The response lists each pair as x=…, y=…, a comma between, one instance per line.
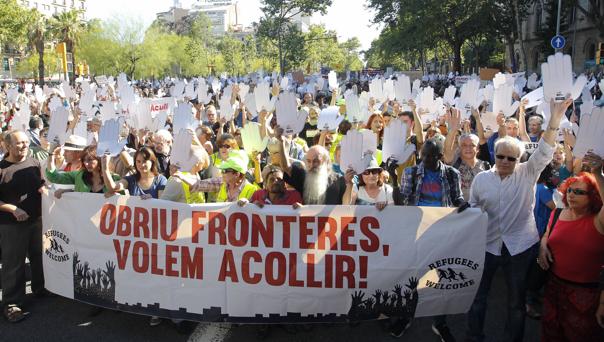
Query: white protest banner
x=220, y=262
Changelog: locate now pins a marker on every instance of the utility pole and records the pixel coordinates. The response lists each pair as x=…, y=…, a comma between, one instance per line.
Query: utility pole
x=558, y=20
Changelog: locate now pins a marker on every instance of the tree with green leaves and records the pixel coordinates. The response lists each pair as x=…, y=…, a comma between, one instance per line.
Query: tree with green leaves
x=14, y=22
x=276, y=24
x=68, y=27
x=39, y=34
x=451, y=21
x=350, y=49
x=202, y=45
x=232, y=51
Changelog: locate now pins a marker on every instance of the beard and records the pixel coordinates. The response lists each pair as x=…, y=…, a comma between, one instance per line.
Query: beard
x=315, y=185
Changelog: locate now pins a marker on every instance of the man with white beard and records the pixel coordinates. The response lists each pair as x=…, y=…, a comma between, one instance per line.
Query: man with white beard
x=314, y=180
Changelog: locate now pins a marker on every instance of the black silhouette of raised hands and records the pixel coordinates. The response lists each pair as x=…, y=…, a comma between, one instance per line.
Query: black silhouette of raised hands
x=357, y=298
x=76, y=259
x=412, y=283
x=397, y=289
x=105, y=282
x=385, y=296
x=377, y=295
x=407, y=295
x=110, y=272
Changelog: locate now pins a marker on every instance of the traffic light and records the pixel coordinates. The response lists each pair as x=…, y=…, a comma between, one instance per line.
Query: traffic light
x=599, y=53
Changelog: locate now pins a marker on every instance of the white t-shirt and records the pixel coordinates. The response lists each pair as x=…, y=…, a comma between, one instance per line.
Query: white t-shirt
x=385, y=195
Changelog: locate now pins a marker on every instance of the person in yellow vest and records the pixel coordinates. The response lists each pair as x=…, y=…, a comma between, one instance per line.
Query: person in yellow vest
x=178, y=191
x=225, y=143
x=232, y=186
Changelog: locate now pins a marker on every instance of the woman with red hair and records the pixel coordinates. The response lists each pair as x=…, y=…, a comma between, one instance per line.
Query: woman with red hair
x=574, y=252
x=375, y=123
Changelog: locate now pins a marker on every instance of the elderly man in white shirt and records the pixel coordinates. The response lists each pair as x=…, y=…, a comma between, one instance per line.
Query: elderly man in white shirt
x=507, y=194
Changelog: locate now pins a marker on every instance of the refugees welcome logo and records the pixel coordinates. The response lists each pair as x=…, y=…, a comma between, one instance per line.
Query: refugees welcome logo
x=448, y=277
x=55, y=245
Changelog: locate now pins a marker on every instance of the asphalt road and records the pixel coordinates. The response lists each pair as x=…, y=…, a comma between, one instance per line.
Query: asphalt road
x=59, y=319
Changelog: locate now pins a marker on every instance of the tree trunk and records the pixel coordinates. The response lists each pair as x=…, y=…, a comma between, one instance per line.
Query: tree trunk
x=520, y=38
x=510, y=44
x=457, y=56
x=40, y=48
x=71, y=46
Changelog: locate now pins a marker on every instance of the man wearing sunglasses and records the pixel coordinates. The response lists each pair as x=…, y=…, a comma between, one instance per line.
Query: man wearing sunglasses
x=507, y=194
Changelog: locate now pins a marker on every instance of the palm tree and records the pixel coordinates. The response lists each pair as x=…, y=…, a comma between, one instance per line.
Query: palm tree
x=68, y=26
x=39, y=33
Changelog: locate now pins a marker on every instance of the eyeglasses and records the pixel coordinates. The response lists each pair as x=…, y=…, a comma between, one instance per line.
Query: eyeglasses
x=577, y=191
x=501, y=157
x=372, y=171
x=229, y=171
x=225, y=146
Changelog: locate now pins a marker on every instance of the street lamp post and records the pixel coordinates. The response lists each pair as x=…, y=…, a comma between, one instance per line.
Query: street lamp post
x=558, y=19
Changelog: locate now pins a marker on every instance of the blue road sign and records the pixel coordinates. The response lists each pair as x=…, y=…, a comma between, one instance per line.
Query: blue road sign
x=558, y=42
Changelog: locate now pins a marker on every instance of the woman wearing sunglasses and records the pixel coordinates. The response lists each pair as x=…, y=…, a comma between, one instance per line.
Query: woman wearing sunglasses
x=574, y=252
x=370, y=189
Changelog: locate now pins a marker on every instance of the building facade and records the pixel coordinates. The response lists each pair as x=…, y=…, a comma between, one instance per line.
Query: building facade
x=582, y=37
x=52, y=7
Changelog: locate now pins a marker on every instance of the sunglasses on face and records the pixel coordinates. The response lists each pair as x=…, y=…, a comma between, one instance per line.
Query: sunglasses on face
x=224, y=146
x=577, y=191
x=501, y=157
x=229, y=171
x=372, y=172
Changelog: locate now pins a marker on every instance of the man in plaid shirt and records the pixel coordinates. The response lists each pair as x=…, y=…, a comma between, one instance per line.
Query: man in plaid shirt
x=432, y=183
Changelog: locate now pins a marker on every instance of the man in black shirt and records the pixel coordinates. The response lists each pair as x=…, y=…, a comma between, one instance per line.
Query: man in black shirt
x=316, y=182
x=20, y=224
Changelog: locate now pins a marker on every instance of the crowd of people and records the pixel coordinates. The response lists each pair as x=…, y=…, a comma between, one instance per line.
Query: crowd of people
x=544, y=204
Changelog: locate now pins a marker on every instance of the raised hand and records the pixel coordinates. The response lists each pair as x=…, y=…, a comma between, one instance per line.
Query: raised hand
x=109, y=138
x=557, y=76
x=412, y=283
x=252, y=140
x=110, y=270
x=594, y=162
x=357, y=298
x=397, y=289
x=377, y=295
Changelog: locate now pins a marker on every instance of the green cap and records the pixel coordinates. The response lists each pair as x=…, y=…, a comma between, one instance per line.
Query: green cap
x=238, y=161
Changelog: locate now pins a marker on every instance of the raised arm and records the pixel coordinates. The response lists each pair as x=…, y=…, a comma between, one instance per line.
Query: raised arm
x=284, y=161
x=479, y=126
x=501, y=122
x=110, y=183
x=594, y=161
x=347, y=198
x=417, y=124
x=557, y=111
x=522, y=122
x=454, y=121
